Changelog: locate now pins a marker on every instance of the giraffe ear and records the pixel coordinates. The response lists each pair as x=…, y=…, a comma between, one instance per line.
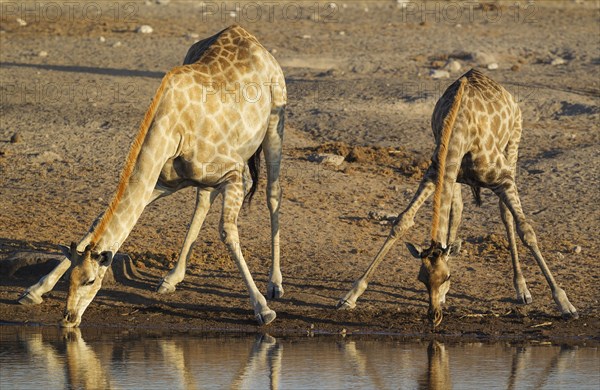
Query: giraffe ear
x=415, y=250
x=65, y=251
x=106, y=258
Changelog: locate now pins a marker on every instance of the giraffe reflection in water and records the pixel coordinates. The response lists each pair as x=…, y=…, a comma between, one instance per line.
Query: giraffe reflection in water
x=99, y=360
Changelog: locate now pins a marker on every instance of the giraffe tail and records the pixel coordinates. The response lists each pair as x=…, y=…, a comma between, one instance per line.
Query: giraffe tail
x=476, y=191
x=442, y=155
x=254, y=167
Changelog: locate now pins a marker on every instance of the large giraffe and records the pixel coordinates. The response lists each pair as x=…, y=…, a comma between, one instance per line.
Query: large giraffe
x=477, y=128
x=205, y=128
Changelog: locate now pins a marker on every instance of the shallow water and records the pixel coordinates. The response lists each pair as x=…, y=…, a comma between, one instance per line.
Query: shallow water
x=51, y=358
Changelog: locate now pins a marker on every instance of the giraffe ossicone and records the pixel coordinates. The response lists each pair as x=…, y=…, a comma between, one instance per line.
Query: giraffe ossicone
x=189, y=137
x=477, y=128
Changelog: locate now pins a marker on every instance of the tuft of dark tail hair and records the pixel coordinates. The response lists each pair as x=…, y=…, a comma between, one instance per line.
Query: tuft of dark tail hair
x=254, y=167
x=476, y=190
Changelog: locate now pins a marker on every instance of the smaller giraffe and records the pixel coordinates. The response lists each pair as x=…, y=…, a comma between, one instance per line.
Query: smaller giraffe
x=206, y=127
x=477, y=128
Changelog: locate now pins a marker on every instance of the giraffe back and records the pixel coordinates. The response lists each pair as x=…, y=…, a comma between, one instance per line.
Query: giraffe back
x=487, y=130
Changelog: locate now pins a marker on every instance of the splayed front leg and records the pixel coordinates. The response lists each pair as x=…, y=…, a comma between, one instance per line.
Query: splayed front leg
x=33, y=295
x=348, y=302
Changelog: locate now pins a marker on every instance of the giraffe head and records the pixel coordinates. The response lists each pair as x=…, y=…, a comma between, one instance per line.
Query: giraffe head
x=88, y=269
x=435, y=274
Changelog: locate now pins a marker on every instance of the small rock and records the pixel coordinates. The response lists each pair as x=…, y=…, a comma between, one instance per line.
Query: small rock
x=102, y=39
x=382, y=216
x=437, y=64
x=482, y=58
x=577, y=249
x=515, y=68
x=16, y=138
x=232, y=14
x=558, y=61
x=145, y=29
x=117, y=44
x=306, y=36
x=342, y=32
x=43, y=53
x=453, y=66
x=21, y=22
x=439, y=74
x=492, y=66
x=48, y=158
x=560, y=255
x=333, y=160
x=192, y=35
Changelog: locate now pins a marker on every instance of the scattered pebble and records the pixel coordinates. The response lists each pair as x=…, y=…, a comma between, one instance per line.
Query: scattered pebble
x=21, y=22
x=577, y=249
x=332, y=159
x=48, y=158
x=515, y=68
x=558, y=61
x=306, y=36
x=232, y=14
x=342, y=32
x=439, y=74
x=453, y=66
x=117, y=44
x=16, y=138
x=492, y=66
x=382, y=216
x=145, y=29
x=192, y=35
x=483, y=59
x=437, y=64
x=43, y=53
x=102, y=39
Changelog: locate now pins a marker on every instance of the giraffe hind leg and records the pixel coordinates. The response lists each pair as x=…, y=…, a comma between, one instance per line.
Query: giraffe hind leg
x=509, y=195
x=523, y=294
x=233, y=197
x=272, y=149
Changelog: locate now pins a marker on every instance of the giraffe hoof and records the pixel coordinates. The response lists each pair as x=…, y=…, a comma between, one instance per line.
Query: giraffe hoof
x=29, y=298
x=344, y=304
x=572, y=315
x=525, y=299
x=165, y=287
x=274, y=291
x=266, y=317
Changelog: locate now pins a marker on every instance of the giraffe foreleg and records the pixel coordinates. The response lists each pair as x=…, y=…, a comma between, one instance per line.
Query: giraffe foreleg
x=33, y=294
x=404, y=222
x=204, y=199
x=523, y=294
x=233, y=197
x=509, y=195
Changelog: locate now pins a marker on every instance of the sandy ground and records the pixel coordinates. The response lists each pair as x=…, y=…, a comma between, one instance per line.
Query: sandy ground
x=75, y=82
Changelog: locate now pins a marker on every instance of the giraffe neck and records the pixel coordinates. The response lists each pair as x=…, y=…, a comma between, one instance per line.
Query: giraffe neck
x=149, y=151
x=439, y=225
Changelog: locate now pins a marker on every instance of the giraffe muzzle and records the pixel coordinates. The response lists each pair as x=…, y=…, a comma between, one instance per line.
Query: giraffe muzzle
x=435, y=316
